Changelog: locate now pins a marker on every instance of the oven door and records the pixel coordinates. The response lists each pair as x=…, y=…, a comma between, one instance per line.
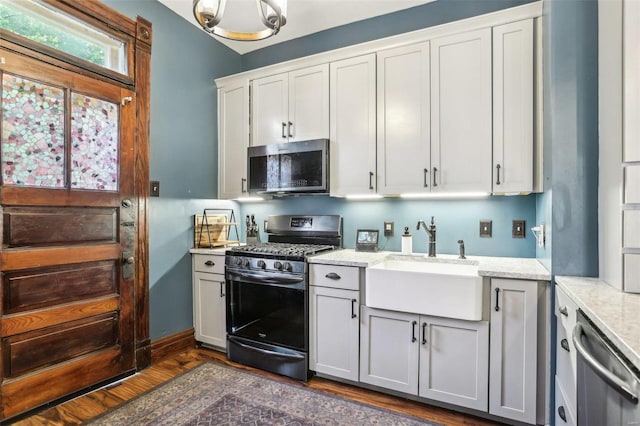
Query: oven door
x=268, y=308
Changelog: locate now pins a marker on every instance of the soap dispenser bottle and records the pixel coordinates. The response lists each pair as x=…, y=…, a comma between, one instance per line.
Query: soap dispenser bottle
x=407, y=241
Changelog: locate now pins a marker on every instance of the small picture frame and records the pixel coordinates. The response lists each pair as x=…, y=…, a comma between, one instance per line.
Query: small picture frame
x=367, y=240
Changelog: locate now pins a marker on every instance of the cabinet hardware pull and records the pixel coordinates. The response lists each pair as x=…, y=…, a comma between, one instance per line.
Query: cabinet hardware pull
x=243, y=181
x=221, y=288
x=498, y=169
x=209, y=263
x=426, y=178
x=413, y=331
x=353, y=310
x=424, y=333
x=290, y=126
x=284, y=126
x=371, y=181
x=562, y=414
x=435, y=171
x=497, y=308
x=565, y=345
x=564, y=311
x=333, y=276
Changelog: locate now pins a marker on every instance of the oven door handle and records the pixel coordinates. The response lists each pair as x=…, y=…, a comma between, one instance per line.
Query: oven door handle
x=268, y=352
x=262, y=278
x=611, y=379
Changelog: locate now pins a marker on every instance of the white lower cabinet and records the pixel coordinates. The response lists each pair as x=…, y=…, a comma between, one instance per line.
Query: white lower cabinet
x=437, y=358
x=515, y=349
x=334, y=304
x=209, y=307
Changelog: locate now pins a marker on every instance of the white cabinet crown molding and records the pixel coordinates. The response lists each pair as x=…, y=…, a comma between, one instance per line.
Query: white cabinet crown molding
x=529, y=10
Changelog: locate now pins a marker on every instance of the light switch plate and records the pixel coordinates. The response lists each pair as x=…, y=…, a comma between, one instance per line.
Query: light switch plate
x=517, y=229
x=388, y=228
x=485, y=229
x=154, y=188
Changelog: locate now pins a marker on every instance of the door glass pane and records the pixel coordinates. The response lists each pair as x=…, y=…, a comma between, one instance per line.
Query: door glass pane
x=32, y=133
x=40, y=22
x=94, y=143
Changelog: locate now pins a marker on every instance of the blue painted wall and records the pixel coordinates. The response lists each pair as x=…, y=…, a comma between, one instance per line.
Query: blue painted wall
x=184, y=154
x=455, y=220
x=571, y=135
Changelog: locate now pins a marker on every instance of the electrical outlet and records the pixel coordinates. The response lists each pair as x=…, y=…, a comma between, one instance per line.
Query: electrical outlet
x=154, y=190
x=517, y=229
x=388, y=229
x=485, y=228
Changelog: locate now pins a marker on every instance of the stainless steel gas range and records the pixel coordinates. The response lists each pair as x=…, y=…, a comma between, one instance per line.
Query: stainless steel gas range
x=267, y=293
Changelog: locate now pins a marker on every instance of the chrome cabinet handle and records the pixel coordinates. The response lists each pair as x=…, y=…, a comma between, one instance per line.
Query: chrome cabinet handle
x=243, y=181
x=435, y=171
x=353, y=309
x=221, y=288
x=371, y=181
x=498, y=170
x=426, y=178
x=424, y=333
x=333, y=276
x=284, y=126
x=615, y=382
x=564, y=343
x=210, y=263
x=564, y=311
x=290, y=127
x=497, y=308
x=413, y=331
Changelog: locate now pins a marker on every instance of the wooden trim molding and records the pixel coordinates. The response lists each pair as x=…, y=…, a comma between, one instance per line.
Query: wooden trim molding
x=170, y=345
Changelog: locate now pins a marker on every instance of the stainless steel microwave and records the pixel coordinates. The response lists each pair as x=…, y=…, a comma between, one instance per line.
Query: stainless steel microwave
x=289, y=168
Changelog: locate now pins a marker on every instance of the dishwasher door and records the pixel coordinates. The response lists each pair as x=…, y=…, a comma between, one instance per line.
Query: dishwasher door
x=608, y=385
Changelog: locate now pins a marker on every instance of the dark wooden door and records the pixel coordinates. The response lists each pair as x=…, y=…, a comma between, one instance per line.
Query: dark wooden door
x=68, y=232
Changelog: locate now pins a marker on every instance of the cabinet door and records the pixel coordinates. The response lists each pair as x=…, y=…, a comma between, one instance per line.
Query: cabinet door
x=233, y=140
x=209, y=310
x=353, y=126
x=403, y=120
x=389, y=349
x=513, y=107
x=461, y=112
x=334, y=332
x=454, y=361
x=269, y=109
x=308, y=104
x=513, y=353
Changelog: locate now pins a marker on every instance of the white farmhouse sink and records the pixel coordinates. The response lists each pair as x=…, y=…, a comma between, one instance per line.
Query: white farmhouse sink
x=452, y=290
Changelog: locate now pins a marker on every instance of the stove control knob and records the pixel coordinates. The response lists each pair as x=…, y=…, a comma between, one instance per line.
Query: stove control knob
x=262, y=264
x=245, y=262
x=287, y=267
x=277, y=265
x=238, y=261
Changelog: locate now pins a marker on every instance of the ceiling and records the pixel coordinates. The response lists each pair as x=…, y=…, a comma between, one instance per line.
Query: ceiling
x=303, y=17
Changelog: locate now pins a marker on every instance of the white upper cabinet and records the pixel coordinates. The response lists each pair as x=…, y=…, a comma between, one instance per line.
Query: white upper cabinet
x=513, y=107
x=290, y=106
x=353, y=126
x=461, y=112
x=403, y=120
x=233, y=139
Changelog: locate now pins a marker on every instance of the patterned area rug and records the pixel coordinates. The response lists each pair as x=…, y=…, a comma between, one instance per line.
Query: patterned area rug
x=213, y=394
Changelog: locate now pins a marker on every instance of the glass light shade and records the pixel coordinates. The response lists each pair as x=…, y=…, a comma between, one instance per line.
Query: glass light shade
x=272, y=14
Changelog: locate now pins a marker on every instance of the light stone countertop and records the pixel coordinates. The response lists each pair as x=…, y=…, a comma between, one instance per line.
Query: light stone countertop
x=494, y=267
x=615, y=313
x=218, y=250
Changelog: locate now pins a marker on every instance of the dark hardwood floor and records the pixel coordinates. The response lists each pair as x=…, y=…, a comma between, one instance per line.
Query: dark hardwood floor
x=97, y=402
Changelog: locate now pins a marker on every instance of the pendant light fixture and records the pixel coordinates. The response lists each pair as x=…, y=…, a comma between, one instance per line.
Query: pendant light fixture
x=272, y=13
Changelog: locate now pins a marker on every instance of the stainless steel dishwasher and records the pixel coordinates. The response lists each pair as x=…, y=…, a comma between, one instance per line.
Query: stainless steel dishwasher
x=608, y=384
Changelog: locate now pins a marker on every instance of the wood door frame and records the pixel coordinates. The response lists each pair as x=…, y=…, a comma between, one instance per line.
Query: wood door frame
x=138, y=37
